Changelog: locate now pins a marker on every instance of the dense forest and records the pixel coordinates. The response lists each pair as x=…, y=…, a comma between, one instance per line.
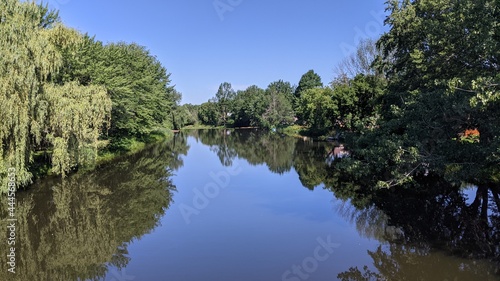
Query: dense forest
x=67, y=99
x=422, y=99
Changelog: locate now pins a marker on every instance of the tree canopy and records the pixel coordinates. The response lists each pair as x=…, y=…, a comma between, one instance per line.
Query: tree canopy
x=67, y=118
x=62, y=93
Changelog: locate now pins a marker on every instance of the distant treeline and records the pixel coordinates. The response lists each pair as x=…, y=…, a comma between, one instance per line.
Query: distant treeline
x=65, y=96
x=352, y=100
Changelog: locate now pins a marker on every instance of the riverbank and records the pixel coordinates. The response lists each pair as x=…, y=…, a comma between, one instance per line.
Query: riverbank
x=132, y=146
x=297, y=131
x=41, y=166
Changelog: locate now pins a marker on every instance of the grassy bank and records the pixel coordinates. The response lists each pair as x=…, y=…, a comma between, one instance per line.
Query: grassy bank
x=202, y=127
x=298, y=131
x=128, y=146
x=303, y=131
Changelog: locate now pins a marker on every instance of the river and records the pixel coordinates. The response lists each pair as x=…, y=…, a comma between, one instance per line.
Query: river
x=246, y=205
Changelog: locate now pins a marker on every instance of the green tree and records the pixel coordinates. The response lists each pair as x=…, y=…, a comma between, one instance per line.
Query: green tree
x=184, y=115
x=249, y=106
x=441, y=59
x=279, y=111
x=224, y=99
x=357, y=101
x=139, y=88
x=208, y=113
x=317, y=108
x=285, y=88
x=32, y=116
x=434, y=41
x=143, y=100
x=308, y=81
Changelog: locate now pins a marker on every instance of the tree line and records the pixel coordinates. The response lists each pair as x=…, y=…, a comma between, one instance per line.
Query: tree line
x=65, y=96
x=424, y=98
x=347, y=102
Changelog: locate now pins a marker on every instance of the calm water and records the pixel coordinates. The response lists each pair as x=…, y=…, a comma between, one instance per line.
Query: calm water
x=246, y=205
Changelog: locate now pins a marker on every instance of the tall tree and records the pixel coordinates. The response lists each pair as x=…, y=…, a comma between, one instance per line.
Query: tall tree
x=279, y=111
x=139, y=88
x=309, y=80
x=32, y=115
x=224, y=98
x=285, y=88
x=357, y=101
x=184, y=115
x=317, y=108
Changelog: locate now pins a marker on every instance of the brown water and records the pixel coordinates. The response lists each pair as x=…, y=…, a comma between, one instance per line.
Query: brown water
x=246, y=205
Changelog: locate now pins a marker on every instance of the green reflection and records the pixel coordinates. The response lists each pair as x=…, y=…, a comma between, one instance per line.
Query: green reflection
x=403, y=262
x=77, y=228
x=421, y=224
x=257, y=147
x=412, y=221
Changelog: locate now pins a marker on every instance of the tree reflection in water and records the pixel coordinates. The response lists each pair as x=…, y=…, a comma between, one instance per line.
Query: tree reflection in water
x=256, y=146
x=75, y=229
x=417, y=225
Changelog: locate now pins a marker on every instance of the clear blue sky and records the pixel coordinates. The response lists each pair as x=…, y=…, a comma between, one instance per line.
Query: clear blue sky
x=245, y=42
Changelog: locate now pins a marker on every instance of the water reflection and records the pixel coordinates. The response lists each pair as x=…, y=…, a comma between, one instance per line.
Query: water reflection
x=405, y=262
x=257, y=147
x=338, y=152
x=78, y=228
x=417, y=224
x=415, y=221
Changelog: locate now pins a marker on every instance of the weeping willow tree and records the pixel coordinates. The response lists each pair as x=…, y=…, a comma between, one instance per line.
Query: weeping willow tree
x=34, y=112
x=76, y=115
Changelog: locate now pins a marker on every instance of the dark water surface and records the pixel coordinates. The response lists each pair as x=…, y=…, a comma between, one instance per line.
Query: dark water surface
x=246, y=205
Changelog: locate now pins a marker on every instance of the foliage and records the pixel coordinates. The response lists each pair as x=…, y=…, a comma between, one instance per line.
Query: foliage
x=138, y=86
x=285, y=88
x=73, y=132
x=208, y=113
x=317, y=108
x=184, y=115
x=64, y=94
x=434, y=41
x=441, y=63
x=32, y=47
x=279, y=111
x=352, y=104
x=253, y=106
x=224, y=101
x=136, y=82
x=309, y=80
x=358, y=102
x=249, y=106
